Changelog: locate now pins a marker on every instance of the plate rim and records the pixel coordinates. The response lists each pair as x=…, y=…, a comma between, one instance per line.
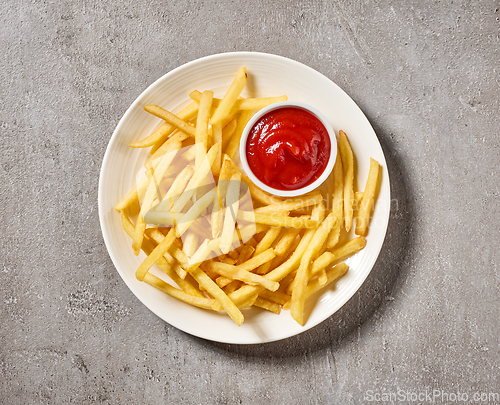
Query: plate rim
x=114, y=138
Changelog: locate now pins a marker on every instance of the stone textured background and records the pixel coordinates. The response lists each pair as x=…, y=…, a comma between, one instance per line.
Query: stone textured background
x=426, y=74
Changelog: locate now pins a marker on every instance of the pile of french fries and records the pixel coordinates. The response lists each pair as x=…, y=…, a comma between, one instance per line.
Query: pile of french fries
x=224, y=243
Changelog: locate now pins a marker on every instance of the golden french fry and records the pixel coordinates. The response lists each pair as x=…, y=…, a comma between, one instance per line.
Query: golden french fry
x=322, y=262
x=332, y=275
x=230, y=212
x=286, y=240
x=293, y=204
x=217, y=135
x=268, y=239
x=201, y=132
x=337, y=201
x=300, y=283
x=161, y=134
x=348, y=169
x=268, y=305
x=350, y=248
x=236, y=273
x=257, y=260
x=171, y=119
x=201, y=302
x=230, y=97
x=277, y=220
x=155, y=255
x=217, y=217
x=227, y=132
x=258, y=103
x=368, y=199
x=243, y=104
x=234, y=142
x=358, y=196
x=213, y=289
x=318, y=269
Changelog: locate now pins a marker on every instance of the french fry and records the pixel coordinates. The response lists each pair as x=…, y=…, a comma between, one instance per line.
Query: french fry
x=368, y=199
x=201, y=302
x=300, y=284
x=231, y=212
x=332, y=275
x=235, y=273
x=217, y=211
x=318, y=269
x=230, y=97
x=322, y=262
x=337, y=201
x=349, y=248
x=348, y=169
x=217, y=134
x=199, y=256
x=258, y=260
x=244, y=104
x=155, y=255
x=286, y=240
x=201, y=132
x=227, y=132
x=277, y=220
x=234, y=142
x=162, y=133
x=233, y=286
x=172, y=119
x=266, y=242
x=217, y=217
x=268, y=305
x=294, y=204
x=244, y=233
x=258, y=103
x=213, y=289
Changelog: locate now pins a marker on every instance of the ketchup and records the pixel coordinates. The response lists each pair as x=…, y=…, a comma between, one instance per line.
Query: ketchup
x=288, y=148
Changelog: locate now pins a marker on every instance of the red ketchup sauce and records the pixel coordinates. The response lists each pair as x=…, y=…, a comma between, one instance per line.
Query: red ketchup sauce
x=288, y=148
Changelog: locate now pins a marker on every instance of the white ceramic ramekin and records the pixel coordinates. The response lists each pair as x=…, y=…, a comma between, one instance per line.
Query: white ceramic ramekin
x=299, y=191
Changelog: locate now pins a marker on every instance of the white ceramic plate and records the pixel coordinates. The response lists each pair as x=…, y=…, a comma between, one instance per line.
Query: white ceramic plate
x=269, y=75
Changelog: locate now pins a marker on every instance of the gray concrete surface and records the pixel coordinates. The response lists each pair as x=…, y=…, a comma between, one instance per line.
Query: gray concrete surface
x=426, y=74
